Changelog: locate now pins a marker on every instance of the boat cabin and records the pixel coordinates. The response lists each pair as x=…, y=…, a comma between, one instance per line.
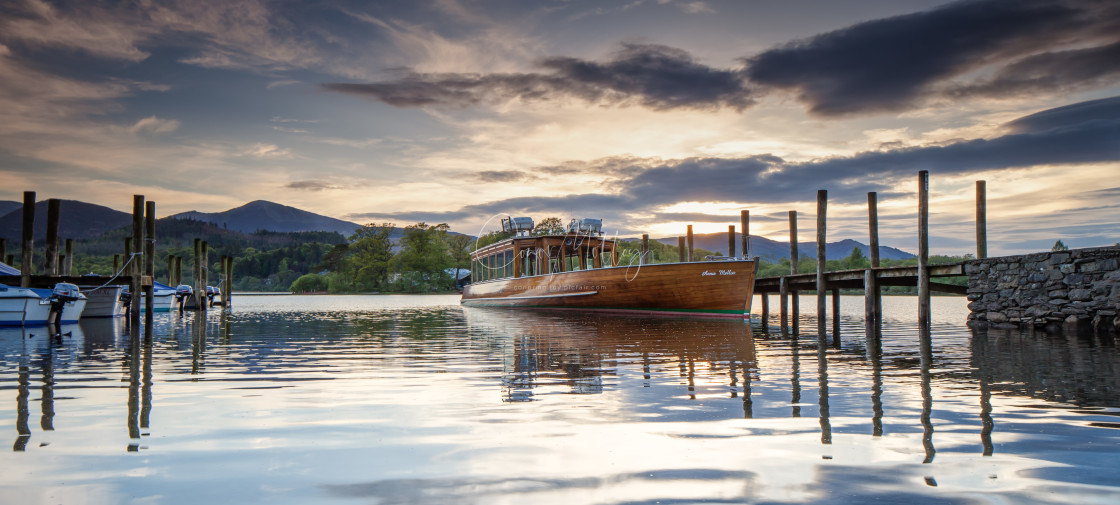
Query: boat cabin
x=582, y=247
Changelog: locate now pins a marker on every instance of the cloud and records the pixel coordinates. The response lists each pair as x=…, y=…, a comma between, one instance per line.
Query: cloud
x=653, y=76
x=311, y=185
x=270, y=151
x=641, y=186
x=892, y=64
x=505, y=176
x=1103, y=109
x=154, y=125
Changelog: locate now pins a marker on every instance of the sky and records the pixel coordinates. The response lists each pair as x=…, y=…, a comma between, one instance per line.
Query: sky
x=648, y=114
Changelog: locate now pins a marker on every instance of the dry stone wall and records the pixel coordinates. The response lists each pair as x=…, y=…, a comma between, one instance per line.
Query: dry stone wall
x=1079, y=286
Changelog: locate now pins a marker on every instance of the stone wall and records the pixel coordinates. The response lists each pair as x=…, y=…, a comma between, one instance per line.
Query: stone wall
x=1077, y=287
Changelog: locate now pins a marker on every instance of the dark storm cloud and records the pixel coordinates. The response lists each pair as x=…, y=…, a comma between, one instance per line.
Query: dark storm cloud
x=1103, y=109
x=889, y=64
x=653, y=76
x=1053, y=71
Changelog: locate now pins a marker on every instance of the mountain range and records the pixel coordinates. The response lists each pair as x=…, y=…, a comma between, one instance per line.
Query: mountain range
x=773, y=251
x=263, y=215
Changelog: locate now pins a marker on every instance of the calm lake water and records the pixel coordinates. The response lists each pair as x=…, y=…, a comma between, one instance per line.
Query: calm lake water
x=416, y=400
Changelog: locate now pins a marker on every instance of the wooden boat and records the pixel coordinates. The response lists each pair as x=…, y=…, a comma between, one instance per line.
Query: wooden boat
x=581, y=270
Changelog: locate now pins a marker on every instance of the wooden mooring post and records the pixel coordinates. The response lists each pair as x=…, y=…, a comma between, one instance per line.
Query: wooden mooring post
x=54, y=211
x=785, y=295
x=227, y=294
x=204, y=267
x=872, y=296
x=4, y=249
x=680, y=249
x=730, y=241
x=688, y=237
x=794, y=254
x=645, y=252
x=196, y=272
x=149, y=261
x=745, y=218
x=68, y=263
x=28, y=237
x=822, y=211
x=137, y=255
x=923, y=251
x=981, y=220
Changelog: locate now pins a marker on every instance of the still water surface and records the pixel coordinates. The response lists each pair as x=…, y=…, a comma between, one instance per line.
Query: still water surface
x=416, y=400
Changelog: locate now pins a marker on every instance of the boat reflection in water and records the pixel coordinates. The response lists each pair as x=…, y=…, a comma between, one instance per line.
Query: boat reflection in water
x=566, y=353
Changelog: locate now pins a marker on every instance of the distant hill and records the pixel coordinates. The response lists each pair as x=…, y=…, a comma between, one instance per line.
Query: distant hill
x=264, y=215
x=7, y=206
x=772, y=250
x=77, y=220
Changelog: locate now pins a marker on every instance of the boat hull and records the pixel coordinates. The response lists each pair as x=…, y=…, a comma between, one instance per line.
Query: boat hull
x=104, y=301
x=22, y=307
x=722, y=288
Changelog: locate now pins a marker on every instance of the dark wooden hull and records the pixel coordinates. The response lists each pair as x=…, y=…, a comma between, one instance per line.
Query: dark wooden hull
x=710, y=288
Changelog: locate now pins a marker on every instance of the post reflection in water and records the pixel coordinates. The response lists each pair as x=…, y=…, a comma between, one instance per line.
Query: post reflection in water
x=925, y=346
x=822, y=388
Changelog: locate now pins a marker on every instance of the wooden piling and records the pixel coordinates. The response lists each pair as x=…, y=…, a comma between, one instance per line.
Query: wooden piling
x=689, y=239
x=765, y=299
x=923, y=250
x=205, y=269
x=138, y=254
x=870, y=289
x=731, y=241
x=116, y=263
x=196, y=270
x=54, y=211
x=873, y=300
x=835, y=316
x=681, y=253
x=68, y=265
x=981, y=220
x=873, y=227
x=745, y=218
x=3, y=249
x=28, y=238
x=783, y=295
x=645, y=251
x=171, y=270
x=149, y=259
x=178, y=271
x=10, y=259
x=227, y=295
x=794, y=301
x=822, y=211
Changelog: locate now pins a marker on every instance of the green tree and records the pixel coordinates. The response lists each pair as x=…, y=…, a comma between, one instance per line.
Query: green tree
x=369, y=253
x=310, y=283
x=423, y=258
x=1059, y=246
x=549, y=226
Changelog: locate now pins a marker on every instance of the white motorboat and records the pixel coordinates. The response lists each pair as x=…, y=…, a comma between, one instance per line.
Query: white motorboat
x=22, y=307
x=104, y=301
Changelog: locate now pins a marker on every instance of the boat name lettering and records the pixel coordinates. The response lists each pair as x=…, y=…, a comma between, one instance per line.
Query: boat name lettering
x=707, y=273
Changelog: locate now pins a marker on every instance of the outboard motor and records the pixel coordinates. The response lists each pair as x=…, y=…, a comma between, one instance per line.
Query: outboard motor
x=63, y=293
x=126, y=298
x=182, y=292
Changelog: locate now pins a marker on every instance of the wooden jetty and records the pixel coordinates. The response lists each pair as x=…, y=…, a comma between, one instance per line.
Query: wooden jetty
x=137, y=271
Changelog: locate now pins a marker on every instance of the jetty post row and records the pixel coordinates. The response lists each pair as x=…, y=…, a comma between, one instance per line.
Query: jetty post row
x=1075, y=287
x=136, y=268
